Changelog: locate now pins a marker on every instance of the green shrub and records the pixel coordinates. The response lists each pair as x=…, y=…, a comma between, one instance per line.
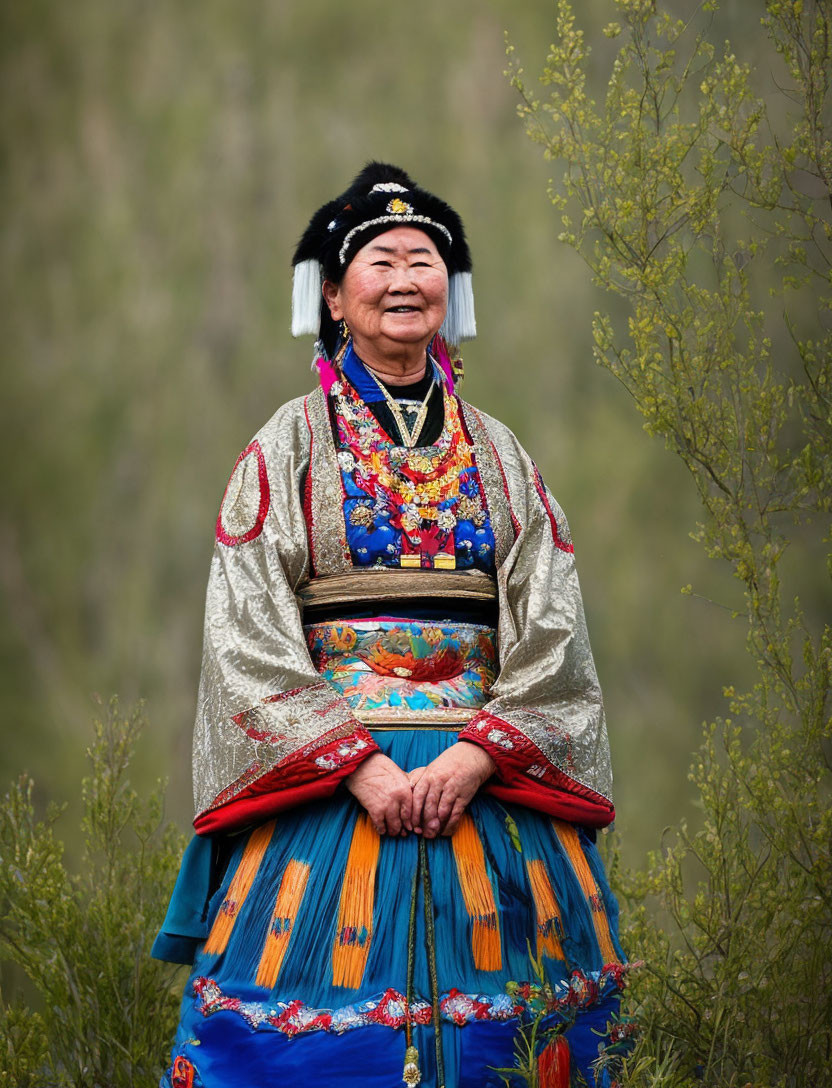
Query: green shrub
x=107, y=1011
x=705, y=210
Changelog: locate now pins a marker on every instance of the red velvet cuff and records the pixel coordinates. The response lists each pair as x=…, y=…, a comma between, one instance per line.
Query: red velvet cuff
x=526, y=777
x=304, y=776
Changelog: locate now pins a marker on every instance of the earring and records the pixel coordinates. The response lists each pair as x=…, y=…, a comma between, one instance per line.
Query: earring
x=344, y=341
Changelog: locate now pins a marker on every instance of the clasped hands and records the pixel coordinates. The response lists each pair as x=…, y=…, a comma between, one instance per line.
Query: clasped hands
x=428, y=800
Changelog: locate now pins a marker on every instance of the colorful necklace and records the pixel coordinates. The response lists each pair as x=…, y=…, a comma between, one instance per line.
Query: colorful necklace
x=409, y=436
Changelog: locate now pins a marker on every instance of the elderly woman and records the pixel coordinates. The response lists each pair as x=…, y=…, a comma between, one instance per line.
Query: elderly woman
x=400, y=752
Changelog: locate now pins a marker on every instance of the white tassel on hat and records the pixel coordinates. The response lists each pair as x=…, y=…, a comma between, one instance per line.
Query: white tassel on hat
x=306, y=298
x=460, y=323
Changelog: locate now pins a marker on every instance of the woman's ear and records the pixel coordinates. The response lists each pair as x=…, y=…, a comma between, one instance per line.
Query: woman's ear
x=332, y=297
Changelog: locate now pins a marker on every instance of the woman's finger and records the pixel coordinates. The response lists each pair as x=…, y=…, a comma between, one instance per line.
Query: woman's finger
x=417, y=803
x=446, y=803
x=452, y=823
x=398, y=804
x=430, y=820
x=405, y=810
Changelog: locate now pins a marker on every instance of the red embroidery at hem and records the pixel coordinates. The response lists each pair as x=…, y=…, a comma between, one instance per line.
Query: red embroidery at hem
x=265, y=499
x=563, y=805
x=546, y=788
x=311, y=774
x=582, y=991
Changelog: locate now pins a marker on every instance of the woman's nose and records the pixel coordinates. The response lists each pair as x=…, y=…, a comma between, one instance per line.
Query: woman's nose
x=402, y=280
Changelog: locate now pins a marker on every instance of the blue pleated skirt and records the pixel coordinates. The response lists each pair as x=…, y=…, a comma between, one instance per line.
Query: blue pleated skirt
x=303, y=978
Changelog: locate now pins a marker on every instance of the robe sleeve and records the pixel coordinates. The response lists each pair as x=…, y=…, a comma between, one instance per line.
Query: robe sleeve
x=270, y=733
x=544, y=725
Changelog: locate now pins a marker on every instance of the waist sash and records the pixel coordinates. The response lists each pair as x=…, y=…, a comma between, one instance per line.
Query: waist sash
x=408, y=673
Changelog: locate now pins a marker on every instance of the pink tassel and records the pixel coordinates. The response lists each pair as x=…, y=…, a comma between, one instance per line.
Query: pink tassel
x=439, y=350
x=327, y=374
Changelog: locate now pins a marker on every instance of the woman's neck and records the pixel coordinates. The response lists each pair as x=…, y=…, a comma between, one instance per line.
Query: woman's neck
x=399, y=367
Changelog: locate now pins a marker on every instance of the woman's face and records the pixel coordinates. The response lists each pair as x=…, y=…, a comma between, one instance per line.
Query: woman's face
x=394, y=291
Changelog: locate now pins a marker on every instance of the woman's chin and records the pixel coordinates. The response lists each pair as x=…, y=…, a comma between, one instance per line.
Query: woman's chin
x=406, y=330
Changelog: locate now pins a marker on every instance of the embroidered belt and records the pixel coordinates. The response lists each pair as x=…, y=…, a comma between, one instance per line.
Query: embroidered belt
x=371, y=584
x=407, y=673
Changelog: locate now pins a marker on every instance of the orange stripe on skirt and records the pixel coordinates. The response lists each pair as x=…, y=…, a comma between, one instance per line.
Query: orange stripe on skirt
x=478, y=895
x=355, y=914
x=570, y=842
x=549, y=920
x=238, y=889
x=286, y=907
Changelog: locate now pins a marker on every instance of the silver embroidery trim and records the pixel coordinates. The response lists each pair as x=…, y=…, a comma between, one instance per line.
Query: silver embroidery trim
x=492, y=481
x=329, y=536
x=440, y=715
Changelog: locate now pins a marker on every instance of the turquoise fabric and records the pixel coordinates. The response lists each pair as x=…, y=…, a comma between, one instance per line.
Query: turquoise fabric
x=186, y=923
x=233, y=1047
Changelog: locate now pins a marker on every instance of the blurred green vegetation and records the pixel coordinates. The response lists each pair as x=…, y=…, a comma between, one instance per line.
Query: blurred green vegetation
x=107, y=1011
x=159, y=162
x=704, y=208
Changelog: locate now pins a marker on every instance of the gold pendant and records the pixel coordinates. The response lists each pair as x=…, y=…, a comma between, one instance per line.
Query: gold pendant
x=444, y=561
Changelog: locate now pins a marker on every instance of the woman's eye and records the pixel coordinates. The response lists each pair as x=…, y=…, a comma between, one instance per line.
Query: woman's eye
x=382, y=264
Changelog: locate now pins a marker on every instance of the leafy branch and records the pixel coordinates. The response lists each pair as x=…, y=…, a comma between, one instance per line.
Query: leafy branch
x=695, y=202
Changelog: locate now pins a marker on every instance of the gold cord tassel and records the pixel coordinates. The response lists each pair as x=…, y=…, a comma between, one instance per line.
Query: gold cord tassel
x=355, y=914
x=286, y=907
x=570, y=842
x=412, y=1074
x=238, y=889
x=478, y=895
x=549, y=921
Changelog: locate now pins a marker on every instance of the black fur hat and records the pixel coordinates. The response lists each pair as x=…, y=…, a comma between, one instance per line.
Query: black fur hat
x=381, y=197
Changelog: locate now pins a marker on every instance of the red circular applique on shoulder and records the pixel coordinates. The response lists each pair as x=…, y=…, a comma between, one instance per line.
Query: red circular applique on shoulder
x=245, y=503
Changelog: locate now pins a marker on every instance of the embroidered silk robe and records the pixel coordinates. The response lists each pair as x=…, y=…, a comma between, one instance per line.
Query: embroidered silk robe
x=270, y=733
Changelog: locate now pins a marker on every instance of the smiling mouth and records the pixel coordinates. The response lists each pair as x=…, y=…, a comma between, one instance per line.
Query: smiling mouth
x=402, y=310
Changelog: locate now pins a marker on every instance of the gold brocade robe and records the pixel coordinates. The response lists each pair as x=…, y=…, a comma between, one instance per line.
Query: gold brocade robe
x=270, y=732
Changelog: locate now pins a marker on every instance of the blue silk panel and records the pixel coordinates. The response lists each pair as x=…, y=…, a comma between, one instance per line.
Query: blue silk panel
x=421, y=507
